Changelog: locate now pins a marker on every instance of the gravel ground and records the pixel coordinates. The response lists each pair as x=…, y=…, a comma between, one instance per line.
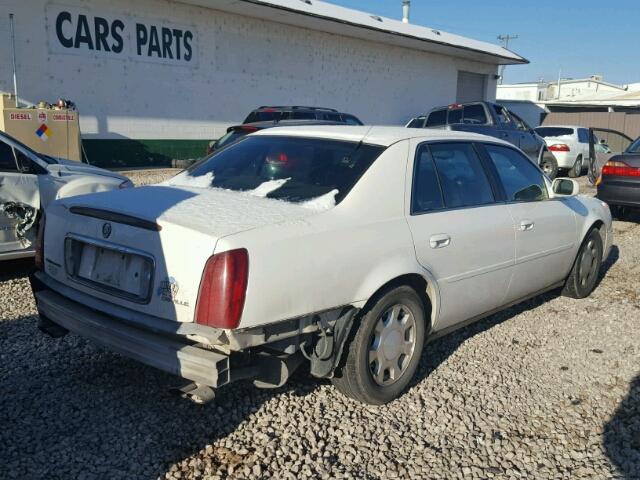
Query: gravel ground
x=547, y=389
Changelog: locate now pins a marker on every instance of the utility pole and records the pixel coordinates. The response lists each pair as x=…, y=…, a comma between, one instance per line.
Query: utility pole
x=505, y=39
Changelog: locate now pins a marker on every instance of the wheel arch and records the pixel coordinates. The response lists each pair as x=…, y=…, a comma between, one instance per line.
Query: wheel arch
x=422, y=283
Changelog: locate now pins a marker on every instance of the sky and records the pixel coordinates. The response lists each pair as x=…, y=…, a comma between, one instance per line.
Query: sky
x=579, y=38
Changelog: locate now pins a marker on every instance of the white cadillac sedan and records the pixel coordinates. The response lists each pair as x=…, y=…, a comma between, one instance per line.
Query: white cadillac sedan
x=344, y=247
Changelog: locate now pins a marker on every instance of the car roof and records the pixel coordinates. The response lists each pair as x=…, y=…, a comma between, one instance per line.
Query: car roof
x=275, y=123
x=294, y=107
x=376, y=135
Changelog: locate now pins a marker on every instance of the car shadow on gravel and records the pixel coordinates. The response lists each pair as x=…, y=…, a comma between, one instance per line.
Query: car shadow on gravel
x=622, y=434
x=69, y=409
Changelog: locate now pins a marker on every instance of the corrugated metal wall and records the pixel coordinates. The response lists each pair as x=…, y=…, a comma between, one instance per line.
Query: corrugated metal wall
x=623, y=122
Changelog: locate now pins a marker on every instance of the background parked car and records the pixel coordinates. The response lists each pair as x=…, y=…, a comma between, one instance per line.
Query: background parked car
x=476, y=227
x=236, y=132
x=619, y=182
x=494, y=120
x=569, y=144
x=29, y=181
x=263, y=114
x=604, y=143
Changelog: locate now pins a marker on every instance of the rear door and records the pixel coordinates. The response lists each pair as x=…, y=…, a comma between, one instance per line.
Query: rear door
x=19, y=199
x=545, y=229
x=461, y=234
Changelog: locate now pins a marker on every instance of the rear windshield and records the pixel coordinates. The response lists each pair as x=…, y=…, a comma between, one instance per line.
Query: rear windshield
x=263, y=116
x=554, y=131
x=288, y=168
x=471, y=114
x=230, y=137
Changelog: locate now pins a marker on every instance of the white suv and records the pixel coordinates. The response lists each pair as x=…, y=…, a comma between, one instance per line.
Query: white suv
x=569, y=144
x=343, y=246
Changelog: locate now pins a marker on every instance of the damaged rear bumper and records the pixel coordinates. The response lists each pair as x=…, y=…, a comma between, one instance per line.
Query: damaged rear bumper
x=159, y=351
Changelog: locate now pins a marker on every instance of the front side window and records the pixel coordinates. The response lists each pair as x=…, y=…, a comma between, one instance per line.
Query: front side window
x=522, y=181
x=462, y=178
x=426, y=195
x=293, y=169
x=7, y=160
x=503, y=115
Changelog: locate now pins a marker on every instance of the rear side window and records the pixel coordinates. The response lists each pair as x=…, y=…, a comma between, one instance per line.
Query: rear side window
x=583, y=135
x=7, y=160
x=299, y=115
x=522, y=181
x=474, y=114
x=351, y=119
x=462, y=177
x=332, y=117
x=437, y=118
x=426, y=194
x=554, y=131
x=416, y=123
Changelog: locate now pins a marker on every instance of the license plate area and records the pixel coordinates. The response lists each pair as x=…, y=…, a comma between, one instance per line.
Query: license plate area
x=113, y=269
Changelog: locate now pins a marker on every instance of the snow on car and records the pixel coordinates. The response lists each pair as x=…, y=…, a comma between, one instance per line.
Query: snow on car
x=29, y=181
x=344, y=247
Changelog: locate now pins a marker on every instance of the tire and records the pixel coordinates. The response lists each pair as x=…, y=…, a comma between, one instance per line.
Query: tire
x=576, y=170
x=586, y=268
x=549, y=164
x=379, y=334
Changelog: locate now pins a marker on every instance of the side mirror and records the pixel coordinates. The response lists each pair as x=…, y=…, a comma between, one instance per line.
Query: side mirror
x=565, y=187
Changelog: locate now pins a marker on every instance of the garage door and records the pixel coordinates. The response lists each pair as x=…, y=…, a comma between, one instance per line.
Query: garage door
x=471, y=87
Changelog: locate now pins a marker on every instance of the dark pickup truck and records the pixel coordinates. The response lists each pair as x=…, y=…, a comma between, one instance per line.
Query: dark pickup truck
x=494, y=120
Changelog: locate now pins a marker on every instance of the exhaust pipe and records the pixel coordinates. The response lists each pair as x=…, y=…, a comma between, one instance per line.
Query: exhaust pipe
x=406, y=5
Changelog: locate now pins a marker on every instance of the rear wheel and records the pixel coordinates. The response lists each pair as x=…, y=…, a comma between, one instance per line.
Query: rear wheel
x=576, y=170
x=383, y=355
x=549, y=164
x=584, y=274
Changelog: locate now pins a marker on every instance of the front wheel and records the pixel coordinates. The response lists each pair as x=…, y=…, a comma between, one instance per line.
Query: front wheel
x=383, y=355
x=586, y=268
x=549, y=164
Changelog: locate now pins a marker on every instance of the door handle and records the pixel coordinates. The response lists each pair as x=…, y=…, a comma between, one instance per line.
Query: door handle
x=504, y=134
x=440, y=241
x=526, y=225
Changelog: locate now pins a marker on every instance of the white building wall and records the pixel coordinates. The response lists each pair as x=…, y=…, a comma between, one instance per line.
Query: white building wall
x=238, y=63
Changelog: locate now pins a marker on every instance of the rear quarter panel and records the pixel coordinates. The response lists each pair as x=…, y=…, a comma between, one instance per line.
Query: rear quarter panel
x=339, y=257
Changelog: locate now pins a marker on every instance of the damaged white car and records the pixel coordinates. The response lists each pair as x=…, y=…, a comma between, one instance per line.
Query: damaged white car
x=344, y=247
x=29, y=181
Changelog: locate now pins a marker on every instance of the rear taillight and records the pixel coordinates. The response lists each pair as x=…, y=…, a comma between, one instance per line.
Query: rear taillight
x=620, y=169
x=222, y=289
x=40, y=245
x=559, y=147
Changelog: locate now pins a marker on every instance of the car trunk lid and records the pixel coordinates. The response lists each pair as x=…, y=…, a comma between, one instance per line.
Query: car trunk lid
x=146, y=248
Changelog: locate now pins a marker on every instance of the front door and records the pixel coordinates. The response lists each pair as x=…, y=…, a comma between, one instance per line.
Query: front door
x=19, y=200
x=546, y=229
x=461, y=235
